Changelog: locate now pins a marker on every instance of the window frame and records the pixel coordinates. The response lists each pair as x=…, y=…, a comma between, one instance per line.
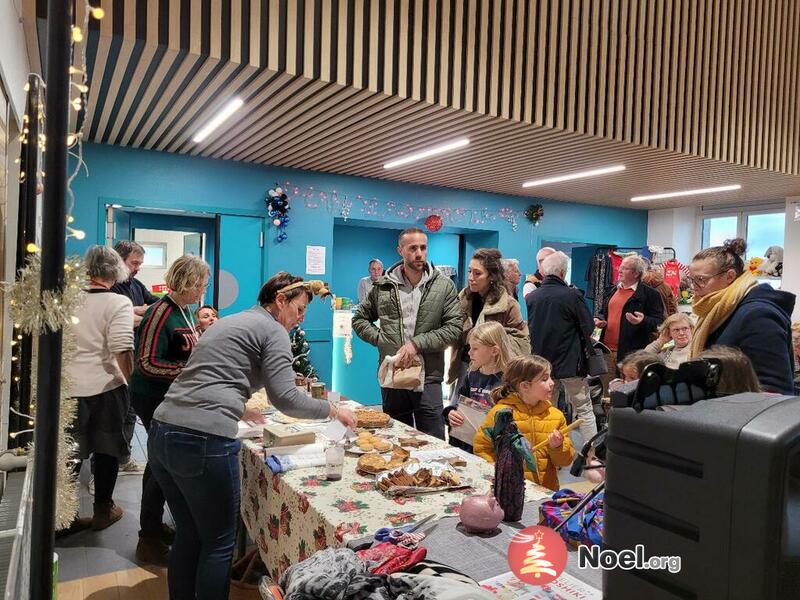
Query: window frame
x=741, y=214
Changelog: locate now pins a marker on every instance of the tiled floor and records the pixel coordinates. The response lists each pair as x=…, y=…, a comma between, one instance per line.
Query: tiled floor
x=86, y=557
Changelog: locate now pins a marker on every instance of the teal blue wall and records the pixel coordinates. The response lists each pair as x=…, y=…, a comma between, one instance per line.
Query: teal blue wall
x=155, y=179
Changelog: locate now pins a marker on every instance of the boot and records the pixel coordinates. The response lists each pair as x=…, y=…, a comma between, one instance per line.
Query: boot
x=105, y=515
x=152, y=551
x=78, y=524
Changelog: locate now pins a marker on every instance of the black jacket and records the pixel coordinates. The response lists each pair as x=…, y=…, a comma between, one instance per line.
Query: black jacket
x=761, y=328
x=645, y=300
x=559, y=323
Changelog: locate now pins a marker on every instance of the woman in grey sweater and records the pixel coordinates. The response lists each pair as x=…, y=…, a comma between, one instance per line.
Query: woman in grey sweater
x=192, y=445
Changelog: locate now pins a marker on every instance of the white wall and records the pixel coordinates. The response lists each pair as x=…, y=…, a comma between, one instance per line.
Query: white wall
x=791, y=253
x=678, y=228
x=174, y=240
x=14, y=67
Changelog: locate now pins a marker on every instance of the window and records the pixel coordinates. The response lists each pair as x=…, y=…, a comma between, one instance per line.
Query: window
x=718, y=229
x=155, y=254
x=764, y=230
x=760, y=228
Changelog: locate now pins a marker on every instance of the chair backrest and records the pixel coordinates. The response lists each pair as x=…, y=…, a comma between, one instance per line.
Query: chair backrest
x=690, y=382
x=659, y=385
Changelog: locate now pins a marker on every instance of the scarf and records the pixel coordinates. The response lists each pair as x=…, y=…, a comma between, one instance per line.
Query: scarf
x=714, y=308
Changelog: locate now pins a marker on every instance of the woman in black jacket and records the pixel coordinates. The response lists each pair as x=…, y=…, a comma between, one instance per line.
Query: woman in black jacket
x=734, y=310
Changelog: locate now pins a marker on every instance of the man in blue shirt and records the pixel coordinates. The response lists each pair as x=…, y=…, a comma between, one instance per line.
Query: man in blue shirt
x=132, y=255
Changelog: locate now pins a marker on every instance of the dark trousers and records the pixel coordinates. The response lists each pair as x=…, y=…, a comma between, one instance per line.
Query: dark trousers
x=127, y=429
x=421, y=410
x=199, y=474
x=104, y=468
x=151, y=513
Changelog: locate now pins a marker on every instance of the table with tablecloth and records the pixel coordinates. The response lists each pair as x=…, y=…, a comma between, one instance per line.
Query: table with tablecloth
x=292, y=515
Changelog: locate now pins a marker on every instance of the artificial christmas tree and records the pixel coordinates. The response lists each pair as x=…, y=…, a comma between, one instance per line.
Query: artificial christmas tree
x=300, y=350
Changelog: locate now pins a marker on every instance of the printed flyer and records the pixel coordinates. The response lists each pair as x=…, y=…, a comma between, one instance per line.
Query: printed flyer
x=566, y=587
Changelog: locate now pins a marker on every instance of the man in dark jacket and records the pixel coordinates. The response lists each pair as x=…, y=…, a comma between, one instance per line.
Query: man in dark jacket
x=630, y=314
x=760, y=326
x=419, y=315
x=560, y=323
x=532, y=282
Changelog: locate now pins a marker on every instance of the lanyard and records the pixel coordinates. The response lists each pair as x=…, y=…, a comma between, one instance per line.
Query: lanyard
x=189, y=320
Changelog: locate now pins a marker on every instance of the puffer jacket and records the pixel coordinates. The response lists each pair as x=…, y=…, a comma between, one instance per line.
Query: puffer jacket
x=505, y=311
x=536, y=423
x=438, y=320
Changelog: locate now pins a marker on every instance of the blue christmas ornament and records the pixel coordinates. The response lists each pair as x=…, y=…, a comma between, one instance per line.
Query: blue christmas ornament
x=277, y=207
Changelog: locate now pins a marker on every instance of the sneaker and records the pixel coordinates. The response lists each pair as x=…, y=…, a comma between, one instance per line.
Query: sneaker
x=105, y=515
x=152, y=551
x=131, y=466
x=90, y=485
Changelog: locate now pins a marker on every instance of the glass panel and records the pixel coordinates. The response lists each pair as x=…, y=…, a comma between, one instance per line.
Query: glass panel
x=763, y=231
x=718, y=229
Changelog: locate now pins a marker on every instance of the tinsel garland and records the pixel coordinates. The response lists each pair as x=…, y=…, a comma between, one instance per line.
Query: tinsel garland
x=35, y=313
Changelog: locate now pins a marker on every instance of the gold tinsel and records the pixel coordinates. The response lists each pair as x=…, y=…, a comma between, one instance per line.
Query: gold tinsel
x=33, y=315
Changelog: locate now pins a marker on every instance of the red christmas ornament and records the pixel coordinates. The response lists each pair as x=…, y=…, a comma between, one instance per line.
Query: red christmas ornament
x=433, y=223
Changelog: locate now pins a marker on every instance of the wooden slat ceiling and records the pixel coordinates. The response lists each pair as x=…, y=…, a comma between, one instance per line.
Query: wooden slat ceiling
x=685, y=93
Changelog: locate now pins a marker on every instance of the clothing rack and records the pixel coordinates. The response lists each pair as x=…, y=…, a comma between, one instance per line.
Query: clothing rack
x=662, y=256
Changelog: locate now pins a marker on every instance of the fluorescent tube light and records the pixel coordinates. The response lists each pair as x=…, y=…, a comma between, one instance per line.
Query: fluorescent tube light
x=442, y=148
x=723, y=188
x=571, y=176
x=218, y=119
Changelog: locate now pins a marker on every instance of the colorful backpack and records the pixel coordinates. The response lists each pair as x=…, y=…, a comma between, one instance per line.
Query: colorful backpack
x=584, y=528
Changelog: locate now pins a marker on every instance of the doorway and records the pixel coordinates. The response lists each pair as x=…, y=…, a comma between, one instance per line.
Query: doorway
x=232, y=245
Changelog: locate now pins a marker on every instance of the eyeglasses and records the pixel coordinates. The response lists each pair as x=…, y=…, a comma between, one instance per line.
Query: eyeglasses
x=701, y=281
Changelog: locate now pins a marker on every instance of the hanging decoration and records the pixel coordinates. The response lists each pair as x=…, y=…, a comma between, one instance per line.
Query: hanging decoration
x=433, y=223
x=278, y=207
x=34, y=314
x=347, y=206
x=341, y=205
x=534, y=214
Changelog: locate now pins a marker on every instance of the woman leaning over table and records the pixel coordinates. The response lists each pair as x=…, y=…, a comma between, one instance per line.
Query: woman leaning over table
x=192, y=444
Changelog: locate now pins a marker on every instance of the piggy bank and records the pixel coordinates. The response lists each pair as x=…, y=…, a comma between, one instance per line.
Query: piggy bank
x=481, y=513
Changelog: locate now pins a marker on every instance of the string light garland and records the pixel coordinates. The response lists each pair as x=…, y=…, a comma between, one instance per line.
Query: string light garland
x=346, y=207
x=34, y=313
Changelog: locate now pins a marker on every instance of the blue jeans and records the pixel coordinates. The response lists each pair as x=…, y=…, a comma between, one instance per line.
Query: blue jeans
x=199, y=475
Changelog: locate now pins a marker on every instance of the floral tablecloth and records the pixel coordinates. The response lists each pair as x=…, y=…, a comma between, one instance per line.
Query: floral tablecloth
x=292, y=515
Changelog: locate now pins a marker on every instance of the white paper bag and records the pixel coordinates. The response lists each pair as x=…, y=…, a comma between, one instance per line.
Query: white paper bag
x=411, y=378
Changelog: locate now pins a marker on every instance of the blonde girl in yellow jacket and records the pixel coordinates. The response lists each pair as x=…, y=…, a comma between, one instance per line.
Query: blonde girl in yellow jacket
x=526, y=392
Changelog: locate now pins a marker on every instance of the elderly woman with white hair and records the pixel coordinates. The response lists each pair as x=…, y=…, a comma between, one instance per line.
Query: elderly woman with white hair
x=98, y=372
x=512, y=275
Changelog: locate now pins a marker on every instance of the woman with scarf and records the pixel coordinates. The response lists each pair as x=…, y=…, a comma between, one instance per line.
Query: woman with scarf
x=734, y=310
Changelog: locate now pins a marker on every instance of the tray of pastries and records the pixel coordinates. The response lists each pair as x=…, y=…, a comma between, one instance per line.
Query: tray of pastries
x=372, y=419
x=369, y=442
x=420, y=478
x=374, y=463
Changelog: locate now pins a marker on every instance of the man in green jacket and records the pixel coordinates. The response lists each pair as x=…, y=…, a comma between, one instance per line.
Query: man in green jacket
x=419, y=315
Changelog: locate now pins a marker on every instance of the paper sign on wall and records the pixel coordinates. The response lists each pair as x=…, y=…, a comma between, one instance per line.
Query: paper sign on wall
x=315, y=260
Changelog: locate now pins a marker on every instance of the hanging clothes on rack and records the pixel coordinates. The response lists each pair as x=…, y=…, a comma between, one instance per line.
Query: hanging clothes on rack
x=673, y=270
x=598, y=277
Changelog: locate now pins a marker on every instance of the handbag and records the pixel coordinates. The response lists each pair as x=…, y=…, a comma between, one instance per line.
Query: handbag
x=584, y=528
x=596, y=364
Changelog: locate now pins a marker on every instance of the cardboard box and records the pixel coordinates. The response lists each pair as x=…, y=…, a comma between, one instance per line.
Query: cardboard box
x=285, y=435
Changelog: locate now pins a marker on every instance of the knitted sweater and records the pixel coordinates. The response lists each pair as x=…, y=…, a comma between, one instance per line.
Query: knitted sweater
x=164, y=341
